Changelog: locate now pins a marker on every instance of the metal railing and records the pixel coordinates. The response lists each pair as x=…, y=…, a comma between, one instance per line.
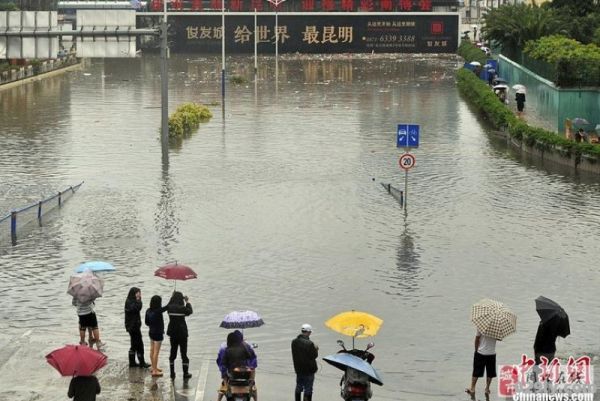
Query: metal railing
x=11, y=223
x=398, y=194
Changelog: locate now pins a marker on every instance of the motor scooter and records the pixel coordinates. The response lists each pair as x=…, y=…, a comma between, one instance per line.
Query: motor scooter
x=355, y=384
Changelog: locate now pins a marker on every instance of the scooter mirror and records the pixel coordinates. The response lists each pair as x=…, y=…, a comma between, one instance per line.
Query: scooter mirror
x=370, y=345
x=254, y=345
x=340, y=343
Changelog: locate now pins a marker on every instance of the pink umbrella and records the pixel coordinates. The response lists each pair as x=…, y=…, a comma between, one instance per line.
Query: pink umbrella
x=76, y=360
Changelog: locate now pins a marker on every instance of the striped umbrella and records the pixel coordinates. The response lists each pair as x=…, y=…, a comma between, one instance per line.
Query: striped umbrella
x=493, y=319
x=242, y=320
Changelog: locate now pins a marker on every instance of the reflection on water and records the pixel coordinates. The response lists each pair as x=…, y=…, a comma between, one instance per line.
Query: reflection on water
x=279, y=200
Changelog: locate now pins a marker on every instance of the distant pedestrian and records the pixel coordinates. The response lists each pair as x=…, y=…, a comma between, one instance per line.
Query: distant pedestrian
x=304, y=354
x=484, y=359
x=520, y=99
x=156, y=324
x=84, y=388
x=88, y=321
x=133, y=324
x=178, y=308
x=579, y=135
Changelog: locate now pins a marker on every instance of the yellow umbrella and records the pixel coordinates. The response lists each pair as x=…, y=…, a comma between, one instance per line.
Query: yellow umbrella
x=355, y=324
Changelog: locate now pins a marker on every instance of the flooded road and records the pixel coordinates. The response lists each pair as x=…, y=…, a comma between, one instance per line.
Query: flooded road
x=278, y=208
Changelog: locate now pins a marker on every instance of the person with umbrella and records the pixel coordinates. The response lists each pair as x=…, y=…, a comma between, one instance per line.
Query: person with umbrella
x=554, y=322
x=84, y=388
x=133, y=324
x=88, y=321
x=177, y=309
x=80, y=362
x=493, y=321
x=304, y=355
x=251, y=363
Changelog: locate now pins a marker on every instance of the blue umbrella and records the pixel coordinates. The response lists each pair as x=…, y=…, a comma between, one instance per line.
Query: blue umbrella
x=242, y=320
x=345, y=360
x=95, y=266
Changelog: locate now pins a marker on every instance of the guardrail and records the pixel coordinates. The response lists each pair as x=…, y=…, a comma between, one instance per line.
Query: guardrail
x=41, y=208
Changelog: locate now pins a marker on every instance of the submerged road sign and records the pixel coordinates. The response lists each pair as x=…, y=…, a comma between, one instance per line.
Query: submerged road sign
x=407, y=136
x=407, y=161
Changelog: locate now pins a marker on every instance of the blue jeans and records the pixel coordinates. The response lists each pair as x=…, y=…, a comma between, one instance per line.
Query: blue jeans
x=305, y=383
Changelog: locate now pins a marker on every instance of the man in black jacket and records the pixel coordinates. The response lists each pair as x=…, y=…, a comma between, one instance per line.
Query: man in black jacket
x=304, y=353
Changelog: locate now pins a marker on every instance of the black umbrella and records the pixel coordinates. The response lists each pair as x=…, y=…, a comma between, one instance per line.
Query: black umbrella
x=553, y=315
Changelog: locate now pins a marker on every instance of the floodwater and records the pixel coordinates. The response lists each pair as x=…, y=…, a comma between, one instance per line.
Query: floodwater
x=278, y=207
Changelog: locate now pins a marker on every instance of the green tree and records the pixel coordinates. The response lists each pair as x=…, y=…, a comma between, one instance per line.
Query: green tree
x=6, y=5
x=511, y=26
x=579, y=8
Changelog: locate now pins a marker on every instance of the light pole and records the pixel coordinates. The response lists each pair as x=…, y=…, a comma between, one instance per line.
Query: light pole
x=276, y=3
x=223, y=55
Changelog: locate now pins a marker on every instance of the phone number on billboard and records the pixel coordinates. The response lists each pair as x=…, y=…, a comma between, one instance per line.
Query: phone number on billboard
x=396, y=38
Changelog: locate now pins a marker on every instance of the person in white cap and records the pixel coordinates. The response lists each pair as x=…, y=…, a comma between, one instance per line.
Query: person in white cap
x=304, y=354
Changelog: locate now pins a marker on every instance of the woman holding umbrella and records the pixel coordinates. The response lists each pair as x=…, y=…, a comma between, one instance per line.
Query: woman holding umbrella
x=133, y=324
x=178, y=308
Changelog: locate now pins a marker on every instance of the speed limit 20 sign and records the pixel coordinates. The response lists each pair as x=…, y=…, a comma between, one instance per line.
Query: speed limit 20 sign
x=407, y=161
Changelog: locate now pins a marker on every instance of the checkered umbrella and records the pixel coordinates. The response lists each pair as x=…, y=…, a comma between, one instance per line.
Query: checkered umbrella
x=493, y=319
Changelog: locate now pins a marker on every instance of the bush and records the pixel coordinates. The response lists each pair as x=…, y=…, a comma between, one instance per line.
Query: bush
x=574, y=62
x=187, y=118
x=470, y=52
x=476, y=91
x=238, y=80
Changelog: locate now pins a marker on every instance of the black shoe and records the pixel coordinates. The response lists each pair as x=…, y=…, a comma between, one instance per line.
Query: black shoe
x=143, y=365
x=187, y=376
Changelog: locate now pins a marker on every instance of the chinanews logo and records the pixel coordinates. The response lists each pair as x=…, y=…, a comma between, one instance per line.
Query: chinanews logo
x=548, y=381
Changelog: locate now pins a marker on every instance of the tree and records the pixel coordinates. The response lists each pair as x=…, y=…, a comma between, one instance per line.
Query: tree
x=578, y=8
x=511, y=26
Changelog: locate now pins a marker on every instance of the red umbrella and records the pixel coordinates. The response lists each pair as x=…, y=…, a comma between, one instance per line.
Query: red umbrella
x=76, y=360
x=174, y=271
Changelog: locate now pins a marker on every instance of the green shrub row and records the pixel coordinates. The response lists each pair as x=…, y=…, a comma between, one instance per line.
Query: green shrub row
x=573, y=61
x=187, y=118
x=479, y=93
x=470, y=52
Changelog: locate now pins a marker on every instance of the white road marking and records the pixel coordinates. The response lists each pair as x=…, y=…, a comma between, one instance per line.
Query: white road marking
x=202, y=377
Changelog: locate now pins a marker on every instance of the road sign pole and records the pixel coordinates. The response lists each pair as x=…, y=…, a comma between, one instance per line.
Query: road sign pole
x=164, y=92
x=405, y=189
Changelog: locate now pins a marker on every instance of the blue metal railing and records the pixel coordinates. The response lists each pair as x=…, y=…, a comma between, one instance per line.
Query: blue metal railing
x=43, y=206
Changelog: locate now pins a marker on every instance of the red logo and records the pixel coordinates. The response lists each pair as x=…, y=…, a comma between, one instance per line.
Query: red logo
x=437, y=28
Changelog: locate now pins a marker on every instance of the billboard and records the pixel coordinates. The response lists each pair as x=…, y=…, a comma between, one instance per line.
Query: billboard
x=318, y=33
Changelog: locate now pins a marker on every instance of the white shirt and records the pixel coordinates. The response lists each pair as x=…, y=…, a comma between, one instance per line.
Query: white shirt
x=487, y=345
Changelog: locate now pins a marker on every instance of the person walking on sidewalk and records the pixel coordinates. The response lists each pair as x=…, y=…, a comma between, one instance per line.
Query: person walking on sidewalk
x=156, y=324
x=304, y=354
x=484, y=359
x=133, y=324
x=178, y=308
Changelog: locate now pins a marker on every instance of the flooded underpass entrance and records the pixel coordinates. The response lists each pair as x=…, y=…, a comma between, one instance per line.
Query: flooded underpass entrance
x=279, y=209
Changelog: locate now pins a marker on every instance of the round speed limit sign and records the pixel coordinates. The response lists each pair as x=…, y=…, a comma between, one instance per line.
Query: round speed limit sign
x=407, y=161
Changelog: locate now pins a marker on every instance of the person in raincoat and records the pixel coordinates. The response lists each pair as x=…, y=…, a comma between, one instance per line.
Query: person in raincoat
x=251, y=362
x=177, y=309
x=133, y=324
x=520, y=99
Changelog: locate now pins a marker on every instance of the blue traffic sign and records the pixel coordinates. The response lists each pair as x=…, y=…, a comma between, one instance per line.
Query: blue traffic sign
x=407, y=136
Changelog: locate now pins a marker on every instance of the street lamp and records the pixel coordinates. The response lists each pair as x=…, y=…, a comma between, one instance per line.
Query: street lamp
x=276, y=3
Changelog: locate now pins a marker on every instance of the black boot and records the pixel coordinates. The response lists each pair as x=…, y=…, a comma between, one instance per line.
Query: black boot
x=307, y=397
x=186, y=373
x=132, y=363
x=298, y=396
x=172, y=367
x=142, y=363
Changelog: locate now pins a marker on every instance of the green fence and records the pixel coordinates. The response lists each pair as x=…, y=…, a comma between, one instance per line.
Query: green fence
x=552, y=105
